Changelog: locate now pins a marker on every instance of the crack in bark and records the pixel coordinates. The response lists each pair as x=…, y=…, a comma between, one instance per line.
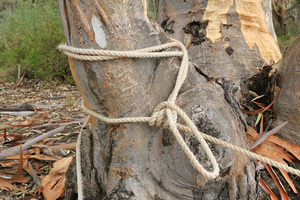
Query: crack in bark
x=119, y=192
x=229, y=95
x=109, y=152
x=202, y=73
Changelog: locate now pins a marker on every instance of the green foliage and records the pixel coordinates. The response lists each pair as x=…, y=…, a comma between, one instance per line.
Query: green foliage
x=292, y=28
x=285, y=40
x=293, y=31
x=151, y=9
x=29, y=36
x=70, y=101
x=6, y=5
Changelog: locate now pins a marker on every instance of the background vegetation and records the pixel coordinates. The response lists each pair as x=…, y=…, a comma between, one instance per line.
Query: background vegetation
x=286, y=19
x=31, y=30
x=29, y=36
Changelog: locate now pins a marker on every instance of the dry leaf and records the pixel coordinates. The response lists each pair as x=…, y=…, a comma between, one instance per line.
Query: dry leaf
x=264, y=185
x=18, y=179
x=8, y=164
x=54, y=182
x=291, y=147
x=20, y=166
x=30, y=122
x=26, y=167
x=275, y=148
x=273, y=151
x=252, y=136
x=4, y=137
x=289, y=180
x=16, y=85
x=282, y=191
x=35, y=177
x=26, y=123
x=5, y=185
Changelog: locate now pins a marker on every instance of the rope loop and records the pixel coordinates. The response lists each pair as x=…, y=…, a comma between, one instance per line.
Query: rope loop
x=172, y=111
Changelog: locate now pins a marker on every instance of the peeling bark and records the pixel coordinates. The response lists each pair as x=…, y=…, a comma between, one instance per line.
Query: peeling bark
x=237, y=37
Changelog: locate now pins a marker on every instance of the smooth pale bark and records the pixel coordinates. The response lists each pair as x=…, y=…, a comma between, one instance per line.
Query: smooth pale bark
x=287, y=106
x=135, y=161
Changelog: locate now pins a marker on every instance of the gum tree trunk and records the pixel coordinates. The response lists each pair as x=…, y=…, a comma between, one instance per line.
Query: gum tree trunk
x=225, y=41
x=231, y=39
x=288, y=103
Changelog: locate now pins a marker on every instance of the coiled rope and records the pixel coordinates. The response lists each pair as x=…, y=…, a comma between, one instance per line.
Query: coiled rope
x=166, y=112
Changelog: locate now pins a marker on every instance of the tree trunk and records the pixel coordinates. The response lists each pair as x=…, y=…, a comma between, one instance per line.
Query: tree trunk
x=224, y=38
x=226, y=43
x=288, y=103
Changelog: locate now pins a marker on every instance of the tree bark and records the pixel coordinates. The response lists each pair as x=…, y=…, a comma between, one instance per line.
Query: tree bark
x=135, y=161
x=224, y=38
x=287, y=106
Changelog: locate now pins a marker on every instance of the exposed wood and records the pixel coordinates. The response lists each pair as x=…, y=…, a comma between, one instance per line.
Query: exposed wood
x=255, y=30
x=221, y=36
x=215, y=13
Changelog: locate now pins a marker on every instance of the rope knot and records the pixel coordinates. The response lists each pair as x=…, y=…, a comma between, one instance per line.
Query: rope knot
x=159, y=115
x=166, y=113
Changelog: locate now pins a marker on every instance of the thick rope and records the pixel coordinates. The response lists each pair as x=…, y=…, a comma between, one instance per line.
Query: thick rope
x=167, y=109
x=181, y=113
x=78, y=160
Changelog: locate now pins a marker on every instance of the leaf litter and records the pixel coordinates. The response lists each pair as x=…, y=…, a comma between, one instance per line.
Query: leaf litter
x=279, y=150
x=39, y=125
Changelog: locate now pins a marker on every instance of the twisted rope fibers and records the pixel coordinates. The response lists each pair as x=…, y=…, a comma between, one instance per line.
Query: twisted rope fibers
x=166, y=112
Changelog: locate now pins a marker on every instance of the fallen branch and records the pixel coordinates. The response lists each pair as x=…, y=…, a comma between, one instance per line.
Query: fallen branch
x=46, y=98
x=18, y=107
x=66, y=146
x=35, y=177
x=28, y=144
x=49, y=106
x=57, y=124
x=18, y=114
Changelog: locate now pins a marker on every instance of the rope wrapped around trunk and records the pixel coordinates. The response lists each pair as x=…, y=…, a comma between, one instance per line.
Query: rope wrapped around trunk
x=165, y=113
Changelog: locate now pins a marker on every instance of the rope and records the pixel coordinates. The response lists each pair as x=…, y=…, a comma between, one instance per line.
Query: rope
x=78, y=160
x=181, y=113
x=166, y=112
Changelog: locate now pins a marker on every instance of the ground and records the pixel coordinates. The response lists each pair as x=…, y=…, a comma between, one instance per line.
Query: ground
x=56, y=105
